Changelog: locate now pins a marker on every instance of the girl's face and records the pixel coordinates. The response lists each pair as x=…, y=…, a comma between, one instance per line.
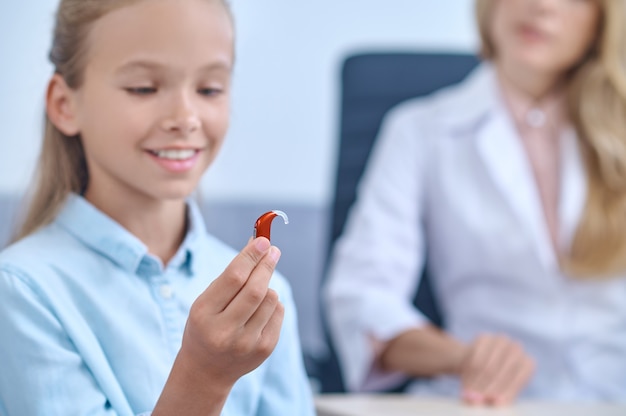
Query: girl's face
x=545, y=36
x=153, y=109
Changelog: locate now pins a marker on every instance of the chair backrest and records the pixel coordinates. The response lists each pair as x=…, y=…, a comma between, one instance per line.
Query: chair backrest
x=371, y=84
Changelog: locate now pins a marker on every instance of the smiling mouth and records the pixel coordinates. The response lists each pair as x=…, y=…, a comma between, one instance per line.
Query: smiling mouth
x=532, y=33
x=175, y=154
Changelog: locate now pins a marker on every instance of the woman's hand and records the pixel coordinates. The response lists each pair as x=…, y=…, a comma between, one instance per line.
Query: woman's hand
x=235, y=323
x=494, y=371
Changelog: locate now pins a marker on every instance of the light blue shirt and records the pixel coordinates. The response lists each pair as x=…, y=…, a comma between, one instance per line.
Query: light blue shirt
x=91, y=322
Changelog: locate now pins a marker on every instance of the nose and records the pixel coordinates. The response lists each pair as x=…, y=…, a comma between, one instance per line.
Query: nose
x=543, y=6
x=182, y=117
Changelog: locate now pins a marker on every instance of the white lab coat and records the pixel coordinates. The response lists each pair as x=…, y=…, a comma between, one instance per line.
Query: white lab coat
x=449, y=179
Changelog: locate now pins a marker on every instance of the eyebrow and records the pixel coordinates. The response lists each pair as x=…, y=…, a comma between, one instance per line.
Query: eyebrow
x=132, y=65
x=156, y=66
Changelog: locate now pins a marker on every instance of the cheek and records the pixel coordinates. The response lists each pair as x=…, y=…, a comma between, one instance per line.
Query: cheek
x=112, y=117
x=500, y=25
x=579, y=37
x=583, y=25
x=216, y=126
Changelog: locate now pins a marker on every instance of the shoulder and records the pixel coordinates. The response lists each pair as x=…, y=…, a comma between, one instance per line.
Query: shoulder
x=42, y=249
x=453, y=107
x=36, y=264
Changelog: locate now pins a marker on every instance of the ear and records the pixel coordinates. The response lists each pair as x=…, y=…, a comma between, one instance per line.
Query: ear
x=60, y=106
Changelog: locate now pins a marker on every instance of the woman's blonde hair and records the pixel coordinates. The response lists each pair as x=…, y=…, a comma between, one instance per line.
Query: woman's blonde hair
x=596, y=89
x=62, y=167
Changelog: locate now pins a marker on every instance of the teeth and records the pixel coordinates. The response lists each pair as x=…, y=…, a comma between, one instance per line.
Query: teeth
x=175, y=154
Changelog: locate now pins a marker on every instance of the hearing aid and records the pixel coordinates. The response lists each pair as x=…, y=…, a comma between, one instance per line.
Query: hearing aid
x=263, y=224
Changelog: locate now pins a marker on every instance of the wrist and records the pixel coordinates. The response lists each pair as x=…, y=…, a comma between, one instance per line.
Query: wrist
x=187, y=369
x=191, y=391
x=456, y=358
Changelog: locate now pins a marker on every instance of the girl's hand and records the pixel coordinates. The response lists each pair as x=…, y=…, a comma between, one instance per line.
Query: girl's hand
x=494, y=371
x=235, y=323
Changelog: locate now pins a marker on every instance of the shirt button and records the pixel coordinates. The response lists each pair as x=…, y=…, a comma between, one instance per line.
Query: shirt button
x=166, y=291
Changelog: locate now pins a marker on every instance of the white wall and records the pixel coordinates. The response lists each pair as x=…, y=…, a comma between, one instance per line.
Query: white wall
x=286, y=86
x=25, y=32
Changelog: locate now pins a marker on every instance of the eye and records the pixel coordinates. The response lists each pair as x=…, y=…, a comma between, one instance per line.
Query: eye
x=141, y=90
x=210, y=92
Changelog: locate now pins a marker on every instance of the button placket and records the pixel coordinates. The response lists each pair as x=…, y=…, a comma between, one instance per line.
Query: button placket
x=166, y=291
x=165, y=294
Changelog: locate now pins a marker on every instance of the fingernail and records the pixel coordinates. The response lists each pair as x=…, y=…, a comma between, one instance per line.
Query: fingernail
x=469, y=394
x=472, y=396
x=275, y=254
x=499, y=401
x=262, y=244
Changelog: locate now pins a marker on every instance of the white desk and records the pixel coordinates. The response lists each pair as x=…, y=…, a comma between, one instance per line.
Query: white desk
x=403, y=405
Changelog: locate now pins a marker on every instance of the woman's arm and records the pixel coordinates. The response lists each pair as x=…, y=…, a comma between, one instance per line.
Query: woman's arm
x=423, y=352
x=377, y=262
x=493, y=368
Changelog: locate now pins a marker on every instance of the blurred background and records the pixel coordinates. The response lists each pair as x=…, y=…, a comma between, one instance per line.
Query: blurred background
x=285, y=116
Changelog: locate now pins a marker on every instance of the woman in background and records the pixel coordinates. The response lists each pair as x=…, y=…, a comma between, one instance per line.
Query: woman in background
x=512, y=187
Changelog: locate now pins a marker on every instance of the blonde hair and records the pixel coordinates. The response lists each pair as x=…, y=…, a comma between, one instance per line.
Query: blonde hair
x=596, y=89
x=62, y=167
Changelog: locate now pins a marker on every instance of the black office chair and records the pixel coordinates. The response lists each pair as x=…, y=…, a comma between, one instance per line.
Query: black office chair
x=371, y=84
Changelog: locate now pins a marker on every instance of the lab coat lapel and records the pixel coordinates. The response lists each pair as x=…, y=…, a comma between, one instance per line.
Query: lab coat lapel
x=573, y=188
x=504, y=157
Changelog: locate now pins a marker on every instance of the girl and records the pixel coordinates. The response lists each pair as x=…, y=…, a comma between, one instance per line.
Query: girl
x=514, y=186
x=104, y=299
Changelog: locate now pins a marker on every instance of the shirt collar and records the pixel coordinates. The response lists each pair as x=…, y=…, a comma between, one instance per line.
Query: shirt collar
x=188, y=253
x=107, y=237
x=522, y=107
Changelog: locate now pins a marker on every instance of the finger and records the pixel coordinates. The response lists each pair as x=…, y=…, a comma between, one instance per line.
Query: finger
x=512, y=363
x=223, y=289
x=263, y=313
x=471, y=369
x=271, y=333
x=255, y=290
x=475, y=368
x=512, y=387
x=261, y=333
x=480, y=349
x=496, y=354
x=473, y=398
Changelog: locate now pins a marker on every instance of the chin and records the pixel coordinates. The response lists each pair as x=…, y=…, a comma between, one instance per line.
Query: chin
x=173, y=193
x=536, y=62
